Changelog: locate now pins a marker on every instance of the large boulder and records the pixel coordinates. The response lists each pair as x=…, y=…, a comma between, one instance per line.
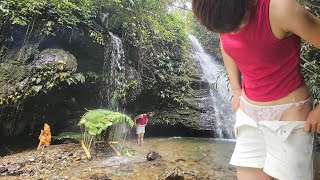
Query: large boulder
x=18, y=65
x=55, y=58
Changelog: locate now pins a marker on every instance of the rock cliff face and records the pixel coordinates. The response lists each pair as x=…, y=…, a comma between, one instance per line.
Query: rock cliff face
x=184, y=120
x=40, y=82
x=55, y=57
x=61, y=102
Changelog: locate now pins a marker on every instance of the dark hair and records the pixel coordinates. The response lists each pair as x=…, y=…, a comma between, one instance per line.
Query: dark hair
x=220, y=15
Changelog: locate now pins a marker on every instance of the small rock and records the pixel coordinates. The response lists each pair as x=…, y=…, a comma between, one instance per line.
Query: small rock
x=100, y=177
x=180, y=160
x=25, y=174
x=151, y=156
x=192, y=173
x=3, y=169
x=32, y=159
x=173, y=174
x=13, y=168
x=77, y=158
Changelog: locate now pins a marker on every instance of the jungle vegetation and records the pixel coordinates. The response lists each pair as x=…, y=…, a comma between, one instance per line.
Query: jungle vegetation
x=154, y=32
x=155, y=39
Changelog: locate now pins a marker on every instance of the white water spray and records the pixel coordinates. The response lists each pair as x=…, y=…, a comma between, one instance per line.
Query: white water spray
x=219, y=114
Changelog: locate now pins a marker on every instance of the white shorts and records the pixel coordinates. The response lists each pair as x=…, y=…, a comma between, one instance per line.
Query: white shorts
x=140, y=129
x=281, y=148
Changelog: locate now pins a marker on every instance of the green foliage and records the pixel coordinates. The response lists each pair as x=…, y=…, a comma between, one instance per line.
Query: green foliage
x=20, y=12
x=310, y=57
x=127, y=92
x=157, y=38
x=159, y=46
x=42, y=82
x=48, y=13
x=126, y=152
x=99, y=120
x=96, y=121
x=44, y=17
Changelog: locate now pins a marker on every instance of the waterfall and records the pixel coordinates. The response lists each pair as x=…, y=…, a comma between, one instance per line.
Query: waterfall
x=218, y=112
x=113, y=71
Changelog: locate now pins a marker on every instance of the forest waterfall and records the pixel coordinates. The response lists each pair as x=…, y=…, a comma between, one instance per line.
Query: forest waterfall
x=113, y=72
x=218, y=106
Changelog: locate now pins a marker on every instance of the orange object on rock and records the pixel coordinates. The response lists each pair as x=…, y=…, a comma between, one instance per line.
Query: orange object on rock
x=45, y=137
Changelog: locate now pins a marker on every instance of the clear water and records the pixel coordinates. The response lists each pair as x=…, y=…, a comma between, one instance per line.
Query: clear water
x=207, y=151
x=197, y=158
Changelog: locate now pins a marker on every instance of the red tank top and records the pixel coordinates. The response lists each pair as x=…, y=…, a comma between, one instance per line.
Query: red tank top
x=143, y=120
x=270, y=67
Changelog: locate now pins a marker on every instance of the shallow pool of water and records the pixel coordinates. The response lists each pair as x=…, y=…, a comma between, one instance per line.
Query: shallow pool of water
x=197, y=158
x=203, y=150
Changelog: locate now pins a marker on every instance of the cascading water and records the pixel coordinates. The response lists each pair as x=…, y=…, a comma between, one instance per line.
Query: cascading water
x=113, y=71
x=218, y=111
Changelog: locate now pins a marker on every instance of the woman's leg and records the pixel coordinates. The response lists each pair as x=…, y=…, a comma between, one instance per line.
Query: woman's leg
x=141, y=140
x=250, y=151
x=139, y=136
x=245, y=173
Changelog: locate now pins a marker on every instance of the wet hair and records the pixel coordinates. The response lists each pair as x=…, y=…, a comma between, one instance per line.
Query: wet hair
x=220, y=16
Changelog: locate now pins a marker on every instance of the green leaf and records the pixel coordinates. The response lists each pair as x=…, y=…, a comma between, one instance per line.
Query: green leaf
x=37, y=88
x=80, y=77
x=38, y=80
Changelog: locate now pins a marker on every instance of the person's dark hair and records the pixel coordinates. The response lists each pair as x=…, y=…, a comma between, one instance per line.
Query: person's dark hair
x=220, y=15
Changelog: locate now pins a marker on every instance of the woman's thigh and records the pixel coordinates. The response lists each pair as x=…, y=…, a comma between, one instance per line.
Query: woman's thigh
x=246, y=173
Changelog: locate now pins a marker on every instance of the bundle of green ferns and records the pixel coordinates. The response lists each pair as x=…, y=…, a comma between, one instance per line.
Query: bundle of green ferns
x=94, y=122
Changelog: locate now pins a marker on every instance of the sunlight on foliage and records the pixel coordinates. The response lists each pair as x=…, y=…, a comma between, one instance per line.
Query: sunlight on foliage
x=95, y=122
x=156, y=38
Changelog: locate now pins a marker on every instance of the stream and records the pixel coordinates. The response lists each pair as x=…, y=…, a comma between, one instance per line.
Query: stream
x=190, y=158
x=193, y=158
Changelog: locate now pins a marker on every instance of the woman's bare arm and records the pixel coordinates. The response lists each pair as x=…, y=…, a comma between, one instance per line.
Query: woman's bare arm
x=234, y=78
x=292, y=17
x=135, y=119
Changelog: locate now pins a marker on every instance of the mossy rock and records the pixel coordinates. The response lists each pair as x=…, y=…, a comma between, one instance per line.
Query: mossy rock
x=55, y=58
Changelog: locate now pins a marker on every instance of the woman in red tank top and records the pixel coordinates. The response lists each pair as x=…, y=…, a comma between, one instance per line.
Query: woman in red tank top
x=260, y=45
x=140, y=126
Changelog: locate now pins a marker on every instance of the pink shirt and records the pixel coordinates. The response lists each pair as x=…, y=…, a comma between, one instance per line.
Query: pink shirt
x=270, y=67
x=143, y=120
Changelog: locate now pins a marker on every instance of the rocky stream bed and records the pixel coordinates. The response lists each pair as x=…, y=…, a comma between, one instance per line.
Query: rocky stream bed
x=68, y=161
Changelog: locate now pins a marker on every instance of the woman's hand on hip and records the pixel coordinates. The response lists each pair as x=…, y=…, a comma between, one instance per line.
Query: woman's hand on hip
x=313, y=121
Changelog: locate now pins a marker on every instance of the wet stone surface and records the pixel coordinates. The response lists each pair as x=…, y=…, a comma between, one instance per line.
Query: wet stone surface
x=42, y=163
x=181, y=159
x=68, y=161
